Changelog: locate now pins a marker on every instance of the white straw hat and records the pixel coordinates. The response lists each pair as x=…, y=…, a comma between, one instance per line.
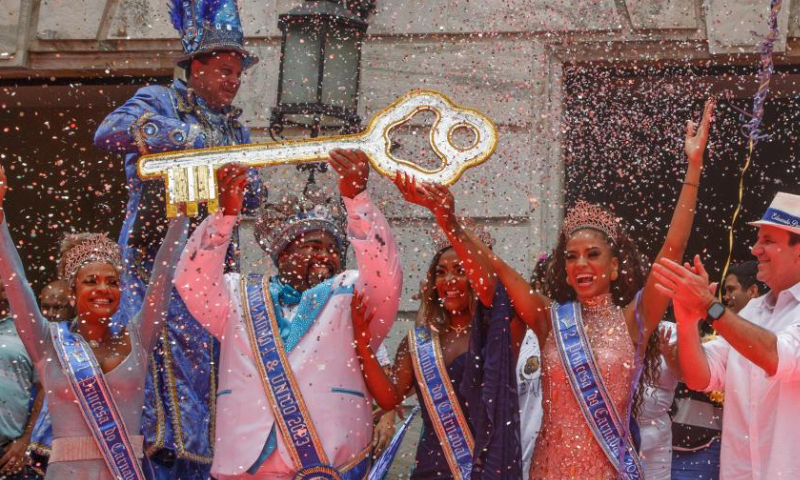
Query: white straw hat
x=783, y=213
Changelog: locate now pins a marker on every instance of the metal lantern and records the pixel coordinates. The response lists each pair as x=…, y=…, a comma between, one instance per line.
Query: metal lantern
x=320, y=65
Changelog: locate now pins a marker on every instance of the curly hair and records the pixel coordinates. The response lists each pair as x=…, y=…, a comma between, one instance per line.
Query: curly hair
x=431, y=312
x=631, y=279
x=538, y=279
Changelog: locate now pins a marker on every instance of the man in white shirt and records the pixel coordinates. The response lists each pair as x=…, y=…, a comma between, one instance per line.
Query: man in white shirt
x=307, y=307
x=757, y=359
x=742, y=285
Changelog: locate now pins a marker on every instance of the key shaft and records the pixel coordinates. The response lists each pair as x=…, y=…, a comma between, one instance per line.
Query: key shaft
x=190, y=175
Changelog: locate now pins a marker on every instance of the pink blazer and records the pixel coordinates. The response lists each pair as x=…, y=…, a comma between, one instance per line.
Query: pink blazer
x=324, y=361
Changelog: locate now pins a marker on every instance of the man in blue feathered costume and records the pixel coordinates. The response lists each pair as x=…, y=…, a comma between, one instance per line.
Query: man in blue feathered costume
x=178, y=421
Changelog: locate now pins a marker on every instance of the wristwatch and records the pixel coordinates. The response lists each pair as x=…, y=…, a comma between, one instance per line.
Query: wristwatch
x=714, y=311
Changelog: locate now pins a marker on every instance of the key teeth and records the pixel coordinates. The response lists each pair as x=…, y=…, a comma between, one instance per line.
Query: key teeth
x=172, y=210
x=184, y=189
x=213, y=206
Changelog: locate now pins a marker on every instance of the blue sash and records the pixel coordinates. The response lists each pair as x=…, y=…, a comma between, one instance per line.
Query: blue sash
x=441, y=402
x=97, y=405
x=590, y=392
x=384, y=462
x=288, y=407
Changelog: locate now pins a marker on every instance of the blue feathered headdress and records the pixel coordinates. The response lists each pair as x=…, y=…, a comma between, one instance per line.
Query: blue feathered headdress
x=207, y=26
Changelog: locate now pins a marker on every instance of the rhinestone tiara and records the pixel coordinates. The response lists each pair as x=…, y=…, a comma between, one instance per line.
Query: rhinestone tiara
x=588, y=215
x=282, y=222
x=89, y=247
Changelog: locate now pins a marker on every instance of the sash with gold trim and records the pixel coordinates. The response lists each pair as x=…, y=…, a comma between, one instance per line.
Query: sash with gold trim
x=384, y=462
x=97, y=405
x=441, y=402
x=288, y=406
x=590, y=391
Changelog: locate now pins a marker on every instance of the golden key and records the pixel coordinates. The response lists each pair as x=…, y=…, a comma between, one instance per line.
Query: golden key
x=190, y=175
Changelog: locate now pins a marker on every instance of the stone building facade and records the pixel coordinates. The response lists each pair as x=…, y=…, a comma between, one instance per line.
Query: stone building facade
x=503, y=57
x=507, y=58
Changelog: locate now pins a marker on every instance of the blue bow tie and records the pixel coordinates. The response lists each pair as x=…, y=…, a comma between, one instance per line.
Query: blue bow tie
x=288, y=296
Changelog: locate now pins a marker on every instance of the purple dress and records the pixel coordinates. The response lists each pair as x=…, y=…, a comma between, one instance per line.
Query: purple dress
x=484, y=382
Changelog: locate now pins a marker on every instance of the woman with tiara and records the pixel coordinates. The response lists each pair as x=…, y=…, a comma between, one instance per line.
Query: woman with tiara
x=459, y=360
x=93, y=378
x=596, y=332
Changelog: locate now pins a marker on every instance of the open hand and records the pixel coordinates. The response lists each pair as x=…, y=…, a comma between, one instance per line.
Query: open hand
x=667, y=349
x=436, y=198
x=697, y=137
x=232, y=180
x=443, y=200
x=687, y=285
x=407, y=185
x=383, y=432
x=14, y=459
x=353, y=169
x=361, y=319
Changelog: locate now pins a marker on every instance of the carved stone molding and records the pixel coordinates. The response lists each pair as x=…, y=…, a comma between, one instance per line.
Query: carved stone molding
x=15, y=22
x=738, y=26
x=662, y=14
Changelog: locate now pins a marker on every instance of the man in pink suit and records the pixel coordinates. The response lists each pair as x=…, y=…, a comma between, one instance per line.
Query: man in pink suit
x=305, y=311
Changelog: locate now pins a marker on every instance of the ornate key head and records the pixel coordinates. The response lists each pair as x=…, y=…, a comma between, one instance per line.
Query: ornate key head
x=449, y=119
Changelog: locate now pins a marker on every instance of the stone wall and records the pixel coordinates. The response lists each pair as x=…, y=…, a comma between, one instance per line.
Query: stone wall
x=503, y=57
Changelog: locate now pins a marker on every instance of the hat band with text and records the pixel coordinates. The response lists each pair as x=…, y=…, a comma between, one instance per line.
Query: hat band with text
x=774, y=215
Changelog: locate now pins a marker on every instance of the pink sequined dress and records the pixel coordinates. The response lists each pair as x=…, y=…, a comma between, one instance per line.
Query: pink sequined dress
x=566, y=447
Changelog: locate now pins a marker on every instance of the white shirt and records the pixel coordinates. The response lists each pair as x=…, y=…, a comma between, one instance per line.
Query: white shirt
x=529, y=385
x=382, y=355
x=655, y=425
x=761, y=419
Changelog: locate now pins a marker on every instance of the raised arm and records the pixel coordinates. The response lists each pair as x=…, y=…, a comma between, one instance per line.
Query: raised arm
x=774, y=352
x=159, y=291
x=440, y=202
x=380, y=275
x=654, y=304
x=147, y=123
x=200, y=276
x=702, y=366
x=529, y=305
x=31, y=325
x=484, y=266
x=388, y=390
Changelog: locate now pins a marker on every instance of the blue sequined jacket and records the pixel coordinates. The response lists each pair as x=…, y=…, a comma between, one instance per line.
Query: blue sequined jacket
x=181, y=389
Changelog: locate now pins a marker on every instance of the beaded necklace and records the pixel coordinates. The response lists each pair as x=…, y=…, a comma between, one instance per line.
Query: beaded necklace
x=214, y=137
